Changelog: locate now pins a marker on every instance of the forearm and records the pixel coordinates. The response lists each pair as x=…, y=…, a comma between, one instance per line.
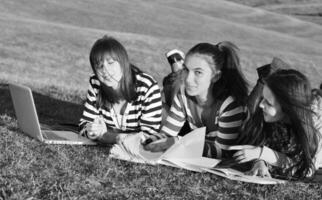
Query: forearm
x=275, y=158
x=90, y=113
x=172, y=125
x=215, y=148
x=110, y=137
x=82, y=128
x=229, y=124
x=150, y=125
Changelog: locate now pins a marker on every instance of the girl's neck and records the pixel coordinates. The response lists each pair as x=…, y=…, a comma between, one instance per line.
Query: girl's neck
x=119, y=107
x=203, y=100
x=117, y=88
x=206, y=98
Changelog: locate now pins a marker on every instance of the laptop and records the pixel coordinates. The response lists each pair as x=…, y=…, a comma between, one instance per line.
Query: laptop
x=26, y=114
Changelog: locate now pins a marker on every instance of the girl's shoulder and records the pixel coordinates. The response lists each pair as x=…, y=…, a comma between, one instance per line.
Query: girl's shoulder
x=230, y=103
x=144, y=79
x=317, y=112
x=93, y=80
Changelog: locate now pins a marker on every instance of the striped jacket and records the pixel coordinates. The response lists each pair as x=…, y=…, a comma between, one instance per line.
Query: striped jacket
x=222, y=126
x=143, y=114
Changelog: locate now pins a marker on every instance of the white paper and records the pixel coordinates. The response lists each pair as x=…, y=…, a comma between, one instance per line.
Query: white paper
x=236, y=175
x=185, y=153
x=188, y=147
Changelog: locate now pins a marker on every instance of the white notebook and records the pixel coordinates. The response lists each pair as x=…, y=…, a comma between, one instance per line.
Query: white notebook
x=185, y=153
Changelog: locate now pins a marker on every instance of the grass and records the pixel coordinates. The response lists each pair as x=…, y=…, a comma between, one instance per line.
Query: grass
x=260, y=3
x=32, y=170
x=45, y=45
x=307, y=10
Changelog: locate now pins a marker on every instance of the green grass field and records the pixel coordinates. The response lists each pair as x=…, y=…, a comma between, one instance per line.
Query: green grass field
x=307, y=10
x=44, y=44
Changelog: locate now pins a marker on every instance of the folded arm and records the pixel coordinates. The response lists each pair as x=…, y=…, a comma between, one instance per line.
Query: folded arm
x=230, y=119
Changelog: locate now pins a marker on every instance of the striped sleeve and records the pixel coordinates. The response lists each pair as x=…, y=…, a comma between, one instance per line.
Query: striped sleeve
x=175, y=119
x=230, y=119
x=89, y=112
x=150, y=120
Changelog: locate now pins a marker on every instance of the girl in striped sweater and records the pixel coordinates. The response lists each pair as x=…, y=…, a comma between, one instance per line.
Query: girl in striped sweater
x=121, y=99
x=213, y=95
x=281, y=137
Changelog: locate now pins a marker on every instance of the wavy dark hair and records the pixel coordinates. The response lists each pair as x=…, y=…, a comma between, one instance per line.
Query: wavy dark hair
x=224, y=57
x=110, y=46
x=293, y=92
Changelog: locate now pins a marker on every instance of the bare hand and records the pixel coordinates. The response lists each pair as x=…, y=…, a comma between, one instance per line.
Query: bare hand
x=150, y=139
x=160, y=145
x=259, y=169
x=96, y=129
x=246, y=153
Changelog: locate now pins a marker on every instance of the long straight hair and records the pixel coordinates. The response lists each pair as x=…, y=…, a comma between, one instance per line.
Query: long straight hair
x=293, y=92
x=223, y=56
x=110, y=46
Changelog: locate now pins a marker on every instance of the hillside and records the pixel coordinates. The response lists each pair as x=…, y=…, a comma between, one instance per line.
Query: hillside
x=50, y=40
x=45, y=45
x=307, y=10
x=311, y=12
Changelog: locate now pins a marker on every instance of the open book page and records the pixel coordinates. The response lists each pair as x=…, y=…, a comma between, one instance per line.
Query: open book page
x=182, y=165
x=130, y=149
x=189, y=146
x=233, y=174
x=185, y=153
x=196, y=164
x=201, y=162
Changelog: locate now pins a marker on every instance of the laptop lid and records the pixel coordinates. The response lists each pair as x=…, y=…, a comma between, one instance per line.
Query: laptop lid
x=26, y=114
x=25, y=110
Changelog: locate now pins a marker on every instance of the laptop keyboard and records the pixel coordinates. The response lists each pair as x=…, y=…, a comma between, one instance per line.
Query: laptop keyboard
x=49, y=135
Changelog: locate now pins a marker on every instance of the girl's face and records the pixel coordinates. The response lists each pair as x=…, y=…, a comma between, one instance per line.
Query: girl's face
x=199, y=75
x=271, y=107
x=109, y=72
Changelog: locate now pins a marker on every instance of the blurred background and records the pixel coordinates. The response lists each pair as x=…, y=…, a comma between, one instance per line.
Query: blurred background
x=45, y=43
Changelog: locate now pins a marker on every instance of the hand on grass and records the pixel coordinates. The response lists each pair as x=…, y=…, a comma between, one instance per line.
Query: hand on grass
x=259, y=169
x=160, y=145
x=246, y=153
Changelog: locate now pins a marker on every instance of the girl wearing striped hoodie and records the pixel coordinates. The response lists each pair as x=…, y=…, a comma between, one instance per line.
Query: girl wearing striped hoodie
x=121, y=99
x=213, y=95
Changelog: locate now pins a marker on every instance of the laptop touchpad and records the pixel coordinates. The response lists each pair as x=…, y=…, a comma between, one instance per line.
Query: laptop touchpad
x=50, y=135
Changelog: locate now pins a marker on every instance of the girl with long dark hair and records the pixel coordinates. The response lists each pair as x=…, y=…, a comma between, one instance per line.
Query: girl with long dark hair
x=213, y=95
x=280, y=136
x=121, y=98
